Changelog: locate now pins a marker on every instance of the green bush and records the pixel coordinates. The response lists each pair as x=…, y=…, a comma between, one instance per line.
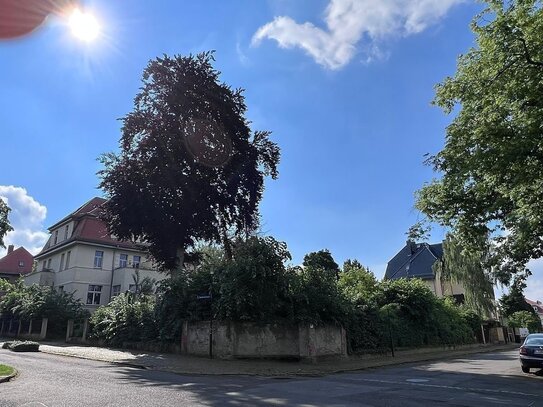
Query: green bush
x=128, y=318
x=6, y=345
x=36, y=302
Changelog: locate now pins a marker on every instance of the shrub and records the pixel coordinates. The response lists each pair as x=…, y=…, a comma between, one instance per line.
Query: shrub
x=127, y=318
x=6, y=345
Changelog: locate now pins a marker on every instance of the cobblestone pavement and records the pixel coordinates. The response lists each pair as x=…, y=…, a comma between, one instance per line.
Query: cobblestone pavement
x=183, y=364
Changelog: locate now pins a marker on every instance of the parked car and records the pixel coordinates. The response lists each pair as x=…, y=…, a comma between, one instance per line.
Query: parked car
x=531, y=352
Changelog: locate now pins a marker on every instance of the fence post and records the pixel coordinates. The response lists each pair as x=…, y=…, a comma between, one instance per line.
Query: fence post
x=69, y=330
x=85, y=329
x=43, y=331
x=184, y=338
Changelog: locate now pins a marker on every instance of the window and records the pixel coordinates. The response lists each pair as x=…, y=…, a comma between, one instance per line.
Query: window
x=61, y=262
x=21, y=263
x=93, y=296
x=98, y=258
x=68, y=259
x=123, y=260
x=43, y=265
x=49, y=264
x=136, y=262
x=66, y=232
x=116, y=290
x=56, y=237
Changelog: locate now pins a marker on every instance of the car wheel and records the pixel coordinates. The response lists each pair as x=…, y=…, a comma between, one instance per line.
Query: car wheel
x=525, y=369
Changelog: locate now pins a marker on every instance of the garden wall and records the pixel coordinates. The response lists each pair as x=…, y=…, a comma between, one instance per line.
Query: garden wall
x=250, y=340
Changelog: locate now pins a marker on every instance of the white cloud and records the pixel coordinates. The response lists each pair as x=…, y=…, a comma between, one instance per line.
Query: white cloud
x=352, y=21
x=26, y=218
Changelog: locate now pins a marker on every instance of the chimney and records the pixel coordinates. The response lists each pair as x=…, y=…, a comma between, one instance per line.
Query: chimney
x=412, y=246
x=10, y=248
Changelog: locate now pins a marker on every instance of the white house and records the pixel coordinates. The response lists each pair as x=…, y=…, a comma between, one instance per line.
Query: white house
x=81, y=256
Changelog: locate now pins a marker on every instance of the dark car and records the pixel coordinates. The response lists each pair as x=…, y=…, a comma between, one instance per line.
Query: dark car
x=531, y=352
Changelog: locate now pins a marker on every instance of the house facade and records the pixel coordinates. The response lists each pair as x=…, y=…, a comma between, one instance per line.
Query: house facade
x=16, y=263
x=415, y=260
x=537, y=306
x=82, y=257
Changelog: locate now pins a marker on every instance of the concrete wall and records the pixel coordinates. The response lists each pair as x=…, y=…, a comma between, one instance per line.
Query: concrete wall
x=249, y=340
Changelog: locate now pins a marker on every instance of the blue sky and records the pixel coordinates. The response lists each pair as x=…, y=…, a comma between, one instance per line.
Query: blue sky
x=345, y=86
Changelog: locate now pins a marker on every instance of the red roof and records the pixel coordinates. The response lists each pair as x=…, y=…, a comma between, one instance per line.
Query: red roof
x=88, y=227
x=19, y=261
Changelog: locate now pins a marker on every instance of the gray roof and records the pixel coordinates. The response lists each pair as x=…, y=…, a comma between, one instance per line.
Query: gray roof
x=414, y=260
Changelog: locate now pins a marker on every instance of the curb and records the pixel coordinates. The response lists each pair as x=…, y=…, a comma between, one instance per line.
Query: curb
x=4, y=379
x=377, y=363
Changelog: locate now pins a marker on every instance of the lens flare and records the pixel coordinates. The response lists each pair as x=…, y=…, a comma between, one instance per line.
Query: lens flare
x=84, y=26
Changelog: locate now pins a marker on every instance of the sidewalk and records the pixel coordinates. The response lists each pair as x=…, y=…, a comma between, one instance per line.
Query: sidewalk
x=191, y=365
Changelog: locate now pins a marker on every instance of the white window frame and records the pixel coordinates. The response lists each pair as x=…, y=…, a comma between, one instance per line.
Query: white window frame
x=98, y=259
x=94, y=294
x=136, y=264
x=123, y=262
x=116, y=290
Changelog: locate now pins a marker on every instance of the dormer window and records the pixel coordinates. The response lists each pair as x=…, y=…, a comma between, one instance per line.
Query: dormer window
x=56, y=237
x=21, y=263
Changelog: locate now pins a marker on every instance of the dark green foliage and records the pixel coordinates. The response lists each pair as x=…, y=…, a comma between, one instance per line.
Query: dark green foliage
x=6, y=345
x=5, y=227
x=322, y=261
x=190, y=168
x=468, y=267
x=316, y=294
x=525, y=319
x=254, y=285
x=514, y=301
x=409, y=312
x=25, y=346
x=125, y=319
x=492, y=164
x=36, y=302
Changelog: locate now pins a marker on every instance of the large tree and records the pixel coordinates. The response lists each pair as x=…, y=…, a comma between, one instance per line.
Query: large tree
x=190, y=168
x=5, y=227
x=492, y=162
x=468, y=267
x=514, y=301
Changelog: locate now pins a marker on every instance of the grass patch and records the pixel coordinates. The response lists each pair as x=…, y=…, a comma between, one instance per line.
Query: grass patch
x=6, y=370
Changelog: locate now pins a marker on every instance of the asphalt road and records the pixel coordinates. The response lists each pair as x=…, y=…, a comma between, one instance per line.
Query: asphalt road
x=491, y=379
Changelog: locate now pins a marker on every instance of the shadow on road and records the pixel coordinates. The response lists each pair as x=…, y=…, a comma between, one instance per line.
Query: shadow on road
x=464, y=378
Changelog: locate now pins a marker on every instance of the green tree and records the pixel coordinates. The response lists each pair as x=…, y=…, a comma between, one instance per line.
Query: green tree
x=357, y=282
x=255, y=284
x=514, y=301
x=5, y=227
x=492, y=162
x=35, y=302
x=323, y=261
x=190, y=169
x=525, y=319
x=468, y=267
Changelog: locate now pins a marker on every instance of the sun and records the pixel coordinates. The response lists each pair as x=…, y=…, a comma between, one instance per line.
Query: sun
x=84, y=26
